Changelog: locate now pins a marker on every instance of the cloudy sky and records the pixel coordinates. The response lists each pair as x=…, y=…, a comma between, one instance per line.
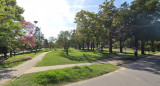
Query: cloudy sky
x=54, y=16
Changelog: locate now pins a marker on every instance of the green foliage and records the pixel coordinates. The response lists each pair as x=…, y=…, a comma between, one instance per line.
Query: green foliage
x=10, y=27
x=62, y=76
x=45, y=44
x=116, y=45
x=64, y=40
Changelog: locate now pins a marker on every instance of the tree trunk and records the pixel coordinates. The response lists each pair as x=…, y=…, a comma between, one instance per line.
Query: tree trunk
x=79, y=46
x=36, y=51
x=110, y=45
x=75, y=47
x=83, y=46
x=93, y=46
x=5, y=51
x=152, y=44
x=88, y=45
x=102, y=48
x=136, y=47
x=121, y=46
x=11, y=53
x=67, y=51
x=142, y=47
x=5, y=55
x=14, y=53
x=31, y=50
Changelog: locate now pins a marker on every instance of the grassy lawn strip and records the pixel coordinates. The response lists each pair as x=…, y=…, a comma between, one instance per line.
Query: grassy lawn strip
x=19, y=59
x=14, y=62
x=59, y=57
x=54, y=58
x=63, y=76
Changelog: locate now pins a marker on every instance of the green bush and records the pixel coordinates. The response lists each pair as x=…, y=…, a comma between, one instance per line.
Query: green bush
x=47, y=77
x=69, y=74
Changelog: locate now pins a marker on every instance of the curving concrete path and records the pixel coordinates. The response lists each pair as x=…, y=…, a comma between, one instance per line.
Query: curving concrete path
x=7, y=74
x=45, y=68
x=144, y=72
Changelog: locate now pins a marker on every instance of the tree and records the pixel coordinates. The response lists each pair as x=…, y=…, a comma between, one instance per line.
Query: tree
x=121, y=22
x=83, y=26
x=52, y=39
x=107, y=12
x=10, y=27
x=143, y=19
x=28, y=38
x=51, y=45
x=45, y=44
x=64, y=39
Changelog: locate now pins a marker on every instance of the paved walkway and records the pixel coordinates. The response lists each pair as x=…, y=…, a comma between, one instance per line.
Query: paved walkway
x=144, y=72
x=10, y=73
x=45, y=68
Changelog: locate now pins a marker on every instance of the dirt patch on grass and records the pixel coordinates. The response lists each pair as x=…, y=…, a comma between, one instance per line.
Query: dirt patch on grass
x=19, y=59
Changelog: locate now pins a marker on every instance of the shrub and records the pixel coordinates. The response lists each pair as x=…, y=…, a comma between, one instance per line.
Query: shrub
x=47, y=77
x=69, y=74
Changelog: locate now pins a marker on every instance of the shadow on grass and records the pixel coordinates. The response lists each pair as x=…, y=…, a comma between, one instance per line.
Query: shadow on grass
x=92, y=58
x=74, y=58
x=4, y=59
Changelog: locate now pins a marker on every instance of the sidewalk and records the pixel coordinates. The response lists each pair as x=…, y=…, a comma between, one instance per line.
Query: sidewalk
x=7, y=74
x=114, y=61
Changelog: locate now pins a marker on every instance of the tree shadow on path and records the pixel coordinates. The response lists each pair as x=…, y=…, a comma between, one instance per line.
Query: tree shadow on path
x=6, y=73
x=149, y=64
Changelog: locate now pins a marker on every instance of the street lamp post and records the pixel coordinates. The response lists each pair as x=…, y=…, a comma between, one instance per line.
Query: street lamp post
x=35, y=28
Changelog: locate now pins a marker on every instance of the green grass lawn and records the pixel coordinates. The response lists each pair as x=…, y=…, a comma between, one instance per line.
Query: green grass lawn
x=59, y=57
x=129, y=54
x=19, y=59
x=128, y=51
x=62, y=76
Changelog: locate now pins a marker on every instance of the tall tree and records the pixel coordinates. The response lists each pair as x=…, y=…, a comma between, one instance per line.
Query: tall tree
x=64, y=39
x=10, y=27
x=143, y=17
x=83, y=25
x=121, y=22
x=107, y=11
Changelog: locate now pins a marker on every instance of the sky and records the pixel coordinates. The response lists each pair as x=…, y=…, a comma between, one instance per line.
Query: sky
x=54, y=16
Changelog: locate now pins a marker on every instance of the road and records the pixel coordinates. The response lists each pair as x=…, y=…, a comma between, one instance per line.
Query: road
x=145, y=72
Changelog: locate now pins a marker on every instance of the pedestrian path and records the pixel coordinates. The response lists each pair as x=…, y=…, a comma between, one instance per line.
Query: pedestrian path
x=45, y=68
x=7, y=74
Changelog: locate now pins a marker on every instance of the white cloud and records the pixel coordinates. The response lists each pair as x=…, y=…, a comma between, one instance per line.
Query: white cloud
x=80, y=6
x=52, y=15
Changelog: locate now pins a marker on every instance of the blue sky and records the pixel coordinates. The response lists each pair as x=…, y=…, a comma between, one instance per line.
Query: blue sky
x=54, y=16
